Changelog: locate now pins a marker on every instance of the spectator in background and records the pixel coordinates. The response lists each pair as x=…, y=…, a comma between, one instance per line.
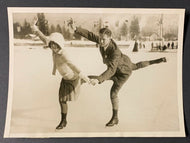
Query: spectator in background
x=152, y=46
x=172, y=45
x=135, y=49
x=144, y=46
x=168, y=45
x=140, y=45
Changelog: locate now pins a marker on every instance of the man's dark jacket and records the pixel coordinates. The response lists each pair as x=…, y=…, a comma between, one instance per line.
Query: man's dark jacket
x=117, y=63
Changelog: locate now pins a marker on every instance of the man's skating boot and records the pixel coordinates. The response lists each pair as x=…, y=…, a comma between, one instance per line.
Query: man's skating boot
x=114, y=120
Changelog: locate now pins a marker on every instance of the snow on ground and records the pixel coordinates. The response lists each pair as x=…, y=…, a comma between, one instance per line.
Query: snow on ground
x=148, y=100
x=76, y=43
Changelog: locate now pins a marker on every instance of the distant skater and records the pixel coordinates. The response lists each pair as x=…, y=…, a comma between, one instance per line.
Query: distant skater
x=71, y=74
x=135, y=48
x=119, y=66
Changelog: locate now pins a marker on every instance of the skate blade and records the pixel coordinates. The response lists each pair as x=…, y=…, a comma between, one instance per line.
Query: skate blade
x=59, y=130
x=111, y=126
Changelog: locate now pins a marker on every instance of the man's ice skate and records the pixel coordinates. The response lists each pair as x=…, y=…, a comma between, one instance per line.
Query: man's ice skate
x=164, y=59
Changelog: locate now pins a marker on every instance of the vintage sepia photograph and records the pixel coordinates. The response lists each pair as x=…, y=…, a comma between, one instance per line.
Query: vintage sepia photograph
x=95, y=72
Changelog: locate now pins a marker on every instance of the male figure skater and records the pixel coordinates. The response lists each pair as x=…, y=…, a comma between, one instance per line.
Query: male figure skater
x=71, y=74
x=119, y=66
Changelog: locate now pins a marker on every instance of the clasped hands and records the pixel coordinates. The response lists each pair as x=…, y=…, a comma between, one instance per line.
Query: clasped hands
x=93, y=80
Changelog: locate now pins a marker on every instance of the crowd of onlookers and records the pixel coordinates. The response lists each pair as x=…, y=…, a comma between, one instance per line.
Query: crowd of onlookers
x=155, y=46
x=160, y=47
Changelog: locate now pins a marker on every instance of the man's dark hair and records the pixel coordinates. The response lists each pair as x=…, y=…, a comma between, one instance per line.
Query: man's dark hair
x=105, y=31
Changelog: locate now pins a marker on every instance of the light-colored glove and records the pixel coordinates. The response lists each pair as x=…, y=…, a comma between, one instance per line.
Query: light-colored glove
x=94, y=81
x=33, y=24
x=71, y=25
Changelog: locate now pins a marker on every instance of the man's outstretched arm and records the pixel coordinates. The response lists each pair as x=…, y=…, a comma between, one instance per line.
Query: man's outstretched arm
x=111, y=67
x=87, y=34
x=83, y=32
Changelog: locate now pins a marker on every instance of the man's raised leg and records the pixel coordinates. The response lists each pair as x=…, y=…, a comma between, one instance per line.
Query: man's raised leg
x=147, y=63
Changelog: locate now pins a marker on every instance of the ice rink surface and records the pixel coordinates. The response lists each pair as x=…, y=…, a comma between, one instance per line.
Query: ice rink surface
x=147, y=101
